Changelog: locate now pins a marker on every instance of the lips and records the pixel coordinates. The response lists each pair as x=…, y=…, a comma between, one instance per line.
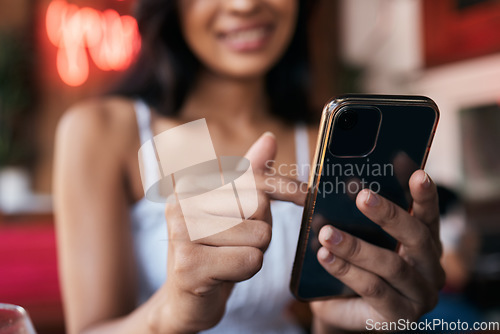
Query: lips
x=246, y=39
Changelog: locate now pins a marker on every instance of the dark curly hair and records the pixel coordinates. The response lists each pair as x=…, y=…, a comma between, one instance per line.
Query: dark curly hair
x=165, y=69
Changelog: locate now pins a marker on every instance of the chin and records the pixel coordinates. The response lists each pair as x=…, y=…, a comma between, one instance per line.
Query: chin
x=244, y=69
x=244, y=74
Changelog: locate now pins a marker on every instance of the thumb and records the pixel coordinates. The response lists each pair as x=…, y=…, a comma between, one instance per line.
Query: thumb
x=261, y=154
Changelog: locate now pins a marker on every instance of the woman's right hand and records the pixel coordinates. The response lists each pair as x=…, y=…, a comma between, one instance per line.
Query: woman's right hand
x=202, y=273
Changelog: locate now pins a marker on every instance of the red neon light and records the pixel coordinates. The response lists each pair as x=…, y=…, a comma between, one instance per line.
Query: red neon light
x=112, y=40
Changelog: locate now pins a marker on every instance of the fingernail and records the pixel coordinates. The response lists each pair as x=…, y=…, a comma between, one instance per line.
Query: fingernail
x=372, y=199
x=332, y=236
x=326, y=256
x=426, y=181
x=268, y=133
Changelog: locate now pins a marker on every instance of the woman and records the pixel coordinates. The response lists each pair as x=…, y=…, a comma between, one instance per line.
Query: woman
x=237, y=63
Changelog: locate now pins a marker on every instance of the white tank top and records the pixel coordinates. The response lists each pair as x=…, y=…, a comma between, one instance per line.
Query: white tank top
x=257, y=305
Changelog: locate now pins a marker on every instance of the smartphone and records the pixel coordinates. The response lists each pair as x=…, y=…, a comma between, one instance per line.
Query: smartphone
x=364, y=141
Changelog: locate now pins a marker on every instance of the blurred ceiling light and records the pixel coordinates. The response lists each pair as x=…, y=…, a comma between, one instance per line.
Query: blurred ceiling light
x=112, y=40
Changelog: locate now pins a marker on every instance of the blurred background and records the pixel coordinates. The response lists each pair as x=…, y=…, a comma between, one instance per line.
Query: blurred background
x=56, y=52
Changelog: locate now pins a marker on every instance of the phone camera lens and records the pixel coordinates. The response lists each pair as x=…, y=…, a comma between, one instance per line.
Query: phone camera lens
x=348, y=119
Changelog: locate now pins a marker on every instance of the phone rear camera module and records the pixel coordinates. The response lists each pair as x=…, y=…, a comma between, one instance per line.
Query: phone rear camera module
x=348, y=119
x=355, y=130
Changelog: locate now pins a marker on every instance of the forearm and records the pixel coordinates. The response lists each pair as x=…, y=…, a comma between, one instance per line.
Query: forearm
x=135, y=322
x=152, y=317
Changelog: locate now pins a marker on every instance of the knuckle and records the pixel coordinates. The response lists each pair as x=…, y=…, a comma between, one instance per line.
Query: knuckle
x=201, y=290
x=263, y=201
x=183, y=263
x=263, y=206
x=391, y=212
x=252, y=262
x=398, y=268
x=181, y=267
x=422, y=239
x=374, y=289
x=263, y=198
x=342, y=268
x=263, y=234
x=354, y=248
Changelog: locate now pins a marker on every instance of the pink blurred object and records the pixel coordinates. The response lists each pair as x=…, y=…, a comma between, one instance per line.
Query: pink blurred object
x=28, y=272
x=28, y=264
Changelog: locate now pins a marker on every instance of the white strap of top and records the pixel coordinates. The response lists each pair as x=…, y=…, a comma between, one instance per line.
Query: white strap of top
x=150, y=172
x=302, y=152
x=143, y=114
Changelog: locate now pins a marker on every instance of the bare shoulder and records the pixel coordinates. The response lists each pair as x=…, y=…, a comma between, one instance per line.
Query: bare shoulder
x=94, y=142
x=108, y=121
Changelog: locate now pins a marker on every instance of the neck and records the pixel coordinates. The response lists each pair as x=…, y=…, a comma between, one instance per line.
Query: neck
x=223, y=99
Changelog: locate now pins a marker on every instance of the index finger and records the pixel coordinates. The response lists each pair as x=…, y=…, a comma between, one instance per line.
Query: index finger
x=425, y=202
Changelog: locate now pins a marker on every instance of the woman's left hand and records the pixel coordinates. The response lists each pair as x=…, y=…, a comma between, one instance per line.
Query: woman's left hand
x=391, y=285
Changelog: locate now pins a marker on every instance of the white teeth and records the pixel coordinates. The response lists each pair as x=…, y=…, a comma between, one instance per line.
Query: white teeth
x=246, y=35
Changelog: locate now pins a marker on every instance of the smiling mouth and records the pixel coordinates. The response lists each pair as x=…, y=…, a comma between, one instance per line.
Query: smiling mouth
x=251, y=39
